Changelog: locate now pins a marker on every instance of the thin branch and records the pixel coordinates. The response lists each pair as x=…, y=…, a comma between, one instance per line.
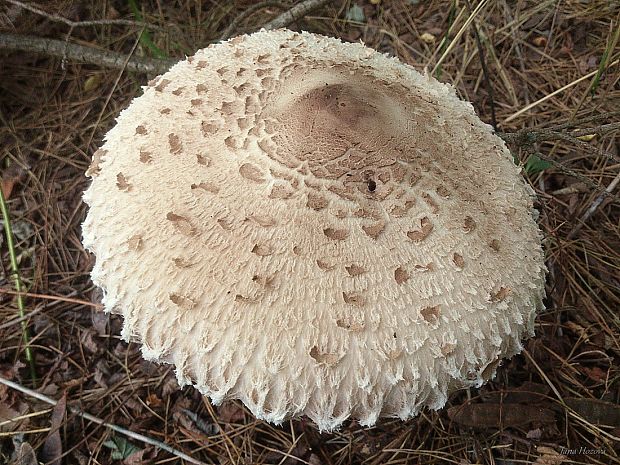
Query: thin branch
x=573, y=173
x=526, y=138
x=74, y=24
x=62, y=49
x=99, y=421
x=105, y=58
x=232, y=27
x=530, y=136
x=295, y=13
x=587, y=119
x=598, y=130
x=594, y=206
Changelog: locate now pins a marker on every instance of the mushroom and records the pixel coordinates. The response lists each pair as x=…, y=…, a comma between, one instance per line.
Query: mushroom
x=314, y=228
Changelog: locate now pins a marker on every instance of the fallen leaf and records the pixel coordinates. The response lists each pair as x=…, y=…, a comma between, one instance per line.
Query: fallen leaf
x=355, y=14
x=153, y=401
x=52, y=448
x=595, y=411
x=595, y=374
x=121, y=448
x=527, y=393
x=428, y=38
x=25, y=455
x=534, y=434
x=7, y=414
x=539, y=41
x=100, y=322
x=206, y=427
x=499, y=415
x=8, y=371
x=170, y=386
x=89, y=342
x=92, y=82
x=230, y=412
x=549, y=456
x=11, y=176
x=102, y=373
x=141, y=457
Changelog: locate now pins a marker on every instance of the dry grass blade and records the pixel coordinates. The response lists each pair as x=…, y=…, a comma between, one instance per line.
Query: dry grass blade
x=554, y=93
x=458, y=35
x=8, y=232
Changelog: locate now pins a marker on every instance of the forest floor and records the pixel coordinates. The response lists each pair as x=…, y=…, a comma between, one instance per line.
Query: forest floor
x=552, y=69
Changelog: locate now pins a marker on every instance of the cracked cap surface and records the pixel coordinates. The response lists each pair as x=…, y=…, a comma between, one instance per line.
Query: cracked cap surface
x=314, y=228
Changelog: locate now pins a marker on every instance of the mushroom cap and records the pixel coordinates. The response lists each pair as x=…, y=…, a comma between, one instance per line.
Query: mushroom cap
x=314, y=228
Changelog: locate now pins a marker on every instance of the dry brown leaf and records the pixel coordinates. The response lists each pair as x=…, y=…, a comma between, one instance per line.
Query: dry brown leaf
x=89, y=342
x=230, y=412
x=534, y=434
x=549, y=456
x=153, y=401
x=6, y=415
x=25, y=455
x=499, y=415
x=527, y=393
x=595, y=374
x=11, y=176
x=52, y=448
x=141, y=457
x=539, y=41
x=8, y=371
x=595, y=411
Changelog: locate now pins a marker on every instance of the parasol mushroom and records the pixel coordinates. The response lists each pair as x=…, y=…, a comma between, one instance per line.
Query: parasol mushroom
x=314, y=228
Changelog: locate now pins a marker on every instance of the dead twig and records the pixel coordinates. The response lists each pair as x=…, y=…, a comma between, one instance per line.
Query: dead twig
x=526, y=138
x=232, y=27
x=62, y=49
x=74, y=24
x=595, y=187
x=295, y=13
x=594, y=206
x=108, y=59
x=99, y=421
x=586, y=120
